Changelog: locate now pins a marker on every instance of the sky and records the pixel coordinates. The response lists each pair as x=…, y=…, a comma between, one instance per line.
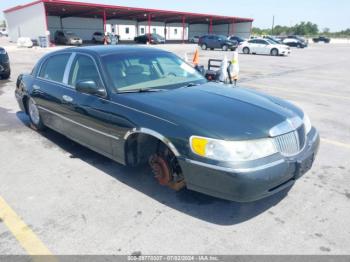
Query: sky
x=333, y=14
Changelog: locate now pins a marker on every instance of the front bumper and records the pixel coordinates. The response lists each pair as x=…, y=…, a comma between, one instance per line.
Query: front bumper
x=75, y=42
x=250, y=183
x=285, y=52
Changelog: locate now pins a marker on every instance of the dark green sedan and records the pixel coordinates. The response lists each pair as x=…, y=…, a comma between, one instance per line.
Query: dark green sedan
x=139, y=105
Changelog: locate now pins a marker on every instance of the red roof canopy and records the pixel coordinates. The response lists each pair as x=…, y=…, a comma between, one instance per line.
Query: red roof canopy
x=80, y=9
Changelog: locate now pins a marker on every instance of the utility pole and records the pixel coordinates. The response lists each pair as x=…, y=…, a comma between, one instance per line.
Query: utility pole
x=273, y=24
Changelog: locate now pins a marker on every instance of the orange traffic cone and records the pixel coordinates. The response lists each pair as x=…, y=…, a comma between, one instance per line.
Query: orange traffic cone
x=196, y=58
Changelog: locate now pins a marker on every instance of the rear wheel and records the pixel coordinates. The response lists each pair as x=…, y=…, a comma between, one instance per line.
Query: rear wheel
x=274, y=52
x=34, y=115
x=204, y=46
x=5, y=76
x=246, y=50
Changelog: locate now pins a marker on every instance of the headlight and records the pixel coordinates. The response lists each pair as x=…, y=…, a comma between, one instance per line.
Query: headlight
x=307, y=123
x=232, y=150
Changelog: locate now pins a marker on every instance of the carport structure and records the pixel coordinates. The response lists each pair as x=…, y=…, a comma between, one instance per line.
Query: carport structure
x=60, y=10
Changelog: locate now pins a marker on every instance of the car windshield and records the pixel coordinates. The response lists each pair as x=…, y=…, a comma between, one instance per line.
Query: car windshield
x=222, y=37
x=270, y=41
x=237, y=38
x=70, y=34
x=157, y=36
x=148, y=71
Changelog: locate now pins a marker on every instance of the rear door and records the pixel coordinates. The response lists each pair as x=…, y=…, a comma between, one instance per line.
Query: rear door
x=210, y=41
x=51, y=94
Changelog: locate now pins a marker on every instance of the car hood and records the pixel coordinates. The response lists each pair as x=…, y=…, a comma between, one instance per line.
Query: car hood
x=216, y=110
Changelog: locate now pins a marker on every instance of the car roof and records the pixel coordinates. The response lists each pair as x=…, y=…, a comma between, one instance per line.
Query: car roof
x=103, y=50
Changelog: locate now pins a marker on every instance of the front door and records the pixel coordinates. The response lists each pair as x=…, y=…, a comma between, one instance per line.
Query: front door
x=91, y=115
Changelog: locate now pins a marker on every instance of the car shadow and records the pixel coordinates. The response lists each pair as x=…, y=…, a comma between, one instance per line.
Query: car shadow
x=200, y=206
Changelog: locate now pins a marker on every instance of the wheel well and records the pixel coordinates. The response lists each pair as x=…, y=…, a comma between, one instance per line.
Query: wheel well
x=274, y=49
x=139, y=147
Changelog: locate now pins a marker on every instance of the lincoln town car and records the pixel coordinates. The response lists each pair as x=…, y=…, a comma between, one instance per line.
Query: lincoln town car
x=144, y=106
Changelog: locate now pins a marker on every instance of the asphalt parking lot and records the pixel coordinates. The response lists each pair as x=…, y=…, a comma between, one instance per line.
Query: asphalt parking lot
x=75, y=201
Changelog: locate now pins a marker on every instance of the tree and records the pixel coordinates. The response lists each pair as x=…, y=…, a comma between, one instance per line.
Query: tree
x=326, y=30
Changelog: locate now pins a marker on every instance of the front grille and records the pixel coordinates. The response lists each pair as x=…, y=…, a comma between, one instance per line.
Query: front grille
x=291, y=143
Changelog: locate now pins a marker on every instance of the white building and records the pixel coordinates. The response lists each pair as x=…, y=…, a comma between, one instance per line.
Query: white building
x=45, y=17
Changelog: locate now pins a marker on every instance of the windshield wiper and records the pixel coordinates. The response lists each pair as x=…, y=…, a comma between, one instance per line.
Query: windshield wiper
x=141, y=90
x=191, y=84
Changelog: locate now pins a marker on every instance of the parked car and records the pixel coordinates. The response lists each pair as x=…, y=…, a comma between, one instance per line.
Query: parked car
x=264, y=47
x=25, y=42
x=194, y=39
x=295, y=41
x=321, y=39
x=217, y=41
x=67, y=38
x=274, y=39
x=3, y=32
x=5, y=70
x=153, y=38
x=238, y=39
x=139, y=105
x=98, y=37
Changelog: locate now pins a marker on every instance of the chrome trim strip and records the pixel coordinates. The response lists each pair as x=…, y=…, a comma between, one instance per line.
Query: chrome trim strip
x=67, y=69
x=131, y=108
x=155, y=134
x=235, y=170
x=286, y=126
x=72, y=121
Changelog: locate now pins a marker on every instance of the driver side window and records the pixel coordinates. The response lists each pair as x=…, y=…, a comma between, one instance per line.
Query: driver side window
x=84, y=69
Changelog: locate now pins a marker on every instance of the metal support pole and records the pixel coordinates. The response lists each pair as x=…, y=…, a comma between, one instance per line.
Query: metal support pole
x=233, y=26
x=183, y=29
x=211, y=26
x=47, y=31
x=61, y=23
x=104, y=21
x=149, y=28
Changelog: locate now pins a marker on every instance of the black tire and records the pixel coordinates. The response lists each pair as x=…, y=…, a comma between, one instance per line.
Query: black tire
x=246, y=50
x=224, y=48
x=35, y=118
x=5, y=77
x=204, y=46
x=274, y=52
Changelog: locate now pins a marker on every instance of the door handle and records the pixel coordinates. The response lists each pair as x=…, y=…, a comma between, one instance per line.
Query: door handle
x=67, y=99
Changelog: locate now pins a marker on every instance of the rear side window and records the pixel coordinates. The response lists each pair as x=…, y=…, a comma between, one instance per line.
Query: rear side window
x=54, y=67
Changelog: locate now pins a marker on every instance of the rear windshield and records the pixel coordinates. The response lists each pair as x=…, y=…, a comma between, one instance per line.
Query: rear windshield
x=128, y=72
